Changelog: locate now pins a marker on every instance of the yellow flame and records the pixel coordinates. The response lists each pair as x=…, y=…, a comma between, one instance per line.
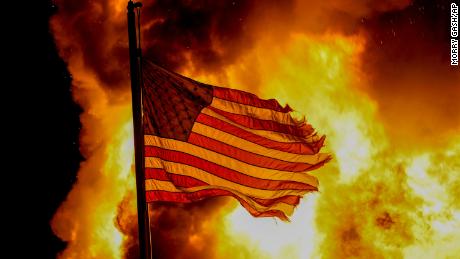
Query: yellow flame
x=433, y=177
x=87, y=219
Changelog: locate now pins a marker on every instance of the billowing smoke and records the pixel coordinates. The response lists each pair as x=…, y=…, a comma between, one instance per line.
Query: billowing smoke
x=407, y=58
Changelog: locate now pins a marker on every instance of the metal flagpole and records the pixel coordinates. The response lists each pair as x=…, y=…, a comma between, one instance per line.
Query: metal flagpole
x=134, y=55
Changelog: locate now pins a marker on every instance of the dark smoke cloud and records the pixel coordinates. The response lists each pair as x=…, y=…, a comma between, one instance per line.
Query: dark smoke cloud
x=408, y=63
x=88, y=27
x=178, y=230
x=182, y=231
x=210, y=34
x=338, y=16
x=213, y=33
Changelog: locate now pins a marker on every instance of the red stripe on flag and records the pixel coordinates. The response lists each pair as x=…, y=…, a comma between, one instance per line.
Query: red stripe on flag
x=291, y=147
x=246, y=98
x=302, y=130
x=178, y=180
x=269, y=213
x=245, y=156
x=189, y=182
x=186, y=197
x=289, y=199
x=224, y=172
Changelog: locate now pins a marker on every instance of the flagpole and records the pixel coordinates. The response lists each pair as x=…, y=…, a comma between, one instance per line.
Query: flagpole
x=134, y=56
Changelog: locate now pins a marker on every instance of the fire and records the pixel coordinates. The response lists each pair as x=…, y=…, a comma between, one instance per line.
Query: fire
x=376, y=199
x=87, y=219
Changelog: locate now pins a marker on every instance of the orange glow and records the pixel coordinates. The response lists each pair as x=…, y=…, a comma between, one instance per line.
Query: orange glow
x=87, y=219
x=376, y=200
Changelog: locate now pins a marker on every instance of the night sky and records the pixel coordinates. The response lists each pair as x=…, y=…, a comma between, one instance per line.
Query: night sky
x=56, y=116
x=55, y=119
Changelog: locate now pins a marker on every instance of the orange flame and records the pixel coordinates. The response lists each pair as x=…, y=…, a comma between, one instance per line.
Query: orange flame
x=87, y=218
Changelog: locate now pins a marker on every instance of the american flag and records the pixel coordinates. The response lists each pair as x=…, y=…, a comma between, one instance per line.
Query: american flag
x=203, y=141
